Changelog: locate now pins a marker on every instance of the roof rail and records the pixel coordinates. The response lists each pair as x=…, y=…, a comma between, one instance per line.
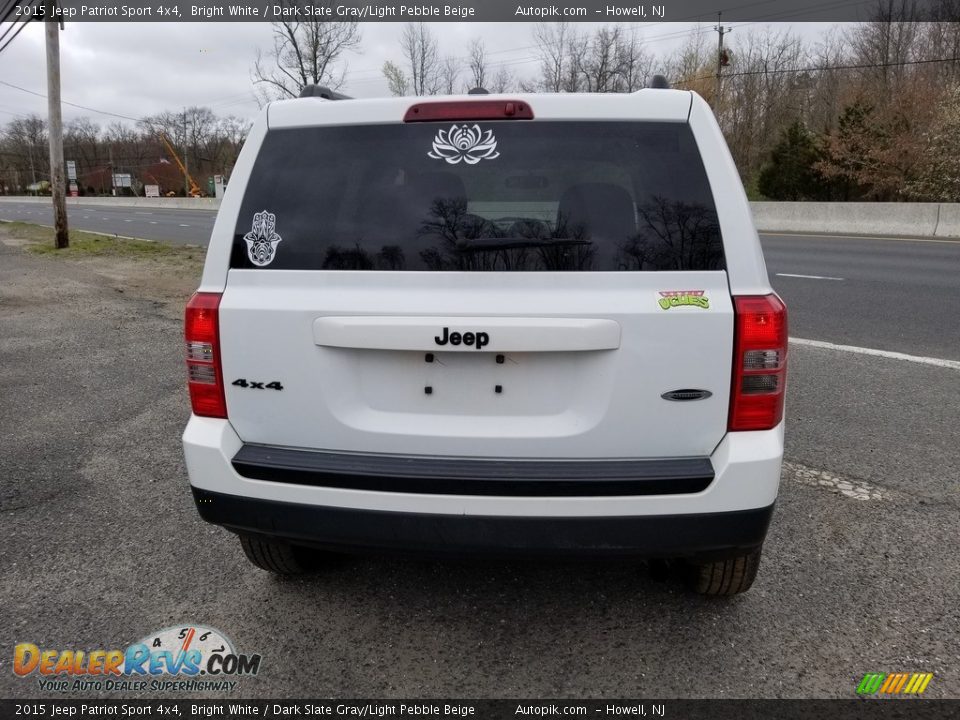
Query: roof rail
x=322, y=92
x=478, y=91
x=659, y=82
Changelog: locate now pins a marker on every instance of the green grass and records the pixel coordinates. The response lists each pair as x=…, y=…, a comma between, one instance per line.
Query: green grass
x=83, y=244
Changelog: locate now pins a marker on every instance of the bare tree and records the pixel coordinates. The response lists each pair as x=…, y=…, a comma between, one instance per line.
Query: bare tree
x=449, y=74
x=131, y=149
x=477, y=62
x=420, y=51
x=598, y=64
x=693, y=65
x=24, y=144
x=886, y=42
x=634, y=64
x=503, y=81
x=304, y=53
x=82, y=142
x=559, y=48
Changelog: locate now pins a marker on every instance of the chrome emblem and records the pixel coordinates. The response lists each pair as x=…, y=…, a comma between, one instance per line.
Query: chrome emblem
x=687, y=394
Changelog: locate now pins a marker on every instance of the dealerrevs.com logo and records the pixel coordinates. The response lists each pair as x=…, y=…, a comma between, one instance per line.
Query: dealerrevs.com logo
x=183, y=658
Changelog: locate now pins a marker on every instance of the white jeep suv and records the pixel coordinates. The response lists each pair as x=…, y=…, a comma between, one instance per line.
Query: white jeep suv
x=488, y=323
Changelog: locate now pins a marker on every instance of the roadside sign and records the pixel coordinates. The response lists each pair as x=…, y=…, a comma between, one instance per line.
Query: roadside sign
x=151, y=191
x=71, y=169
x=74, y=190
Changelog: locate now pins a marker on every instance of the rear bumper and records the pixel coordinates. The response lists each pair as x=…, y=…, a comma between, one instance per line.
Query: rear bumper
x=474, y=476
x=668, y=536
x=727, y=513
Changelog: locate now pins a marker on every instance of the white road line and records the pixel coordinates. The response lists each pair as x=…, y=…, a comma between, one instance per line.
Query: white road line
x=127, y=220
x=184, y=225
x=809, y=277
x=937, y=362
x=152, y=222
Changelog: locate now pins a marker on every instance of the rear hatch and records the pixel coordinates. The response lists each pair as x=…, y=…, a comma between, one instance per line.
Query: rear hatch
x=485, y=288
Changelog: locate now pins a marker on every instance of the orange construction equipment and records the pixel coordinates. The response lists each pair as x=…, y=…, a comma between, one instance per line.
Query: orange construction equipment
x=194, y=188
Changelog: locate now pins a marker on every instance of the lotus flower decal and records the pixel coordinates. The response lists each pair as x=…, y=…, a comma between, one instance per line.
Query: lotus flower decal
x=462, y=142
x=262, y=239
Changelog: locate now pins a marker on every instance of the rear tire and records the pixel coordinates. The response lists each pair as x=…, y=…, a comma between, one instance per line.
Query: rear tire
x=730, y=576
x=278, y=557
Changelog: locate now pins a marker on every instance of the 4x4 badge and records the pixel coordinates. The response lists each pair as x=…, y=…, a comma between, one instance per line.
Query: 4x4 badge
x=262, y=239
x=462, y=142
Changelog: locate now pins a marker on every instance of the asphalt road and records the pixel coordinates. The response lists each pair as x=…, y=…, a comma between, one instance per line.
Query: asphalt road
x=171, y=225
x=889, y=294
x=102, y=544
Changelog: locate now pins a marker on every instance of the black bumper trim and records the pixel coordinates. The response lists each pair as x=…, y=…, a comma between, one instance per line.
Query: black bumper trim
x=474, y=476
x=349, y=529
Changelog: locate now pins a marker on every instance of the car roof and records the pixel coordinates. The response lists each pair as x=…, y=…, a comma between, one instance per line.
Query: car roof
x=644, y=105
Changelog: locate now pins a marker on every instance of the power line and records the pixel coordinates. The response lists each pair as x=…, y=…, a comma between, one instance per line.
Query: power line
x=6, y=13
x=861, y=66
x=13, y=23
x=9, y=12
x=65, y=102
x=144, y=119
x=19, y=30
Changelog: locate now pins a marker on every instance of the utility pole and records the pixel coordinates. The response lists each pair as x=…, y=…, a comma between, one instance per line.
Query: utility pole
x=722, y=60
x=186, y=160
x=58, y=182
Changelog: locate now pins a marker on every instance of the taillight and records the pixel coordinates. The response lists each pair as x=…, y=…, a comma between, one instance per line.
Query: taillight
x=204, y=376
x=469, y=110
x=759, y=362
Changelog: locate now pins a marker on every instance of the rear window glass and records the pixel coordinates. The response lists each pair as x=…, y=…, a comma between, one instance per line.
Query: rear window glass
x=480, y=196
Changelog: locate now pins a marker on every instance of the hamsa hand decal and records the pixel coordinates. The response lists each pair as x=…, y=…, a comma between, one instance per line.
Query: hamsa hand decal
x=262, y=239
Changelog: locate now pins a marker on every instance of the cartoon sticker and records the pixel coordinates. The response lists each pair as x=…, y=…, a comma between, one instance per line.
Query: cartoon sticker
x=678, y=298
x=462, y=142
x=262, y=239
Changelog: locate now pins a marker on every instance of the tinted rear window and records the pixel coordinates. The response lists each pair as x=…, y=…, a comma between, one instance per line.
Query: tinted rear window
x=487, y=196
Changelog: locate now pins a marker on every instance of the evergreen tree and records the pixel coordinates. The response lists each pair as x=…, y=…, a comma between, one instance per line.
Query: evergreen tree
x=791, y=173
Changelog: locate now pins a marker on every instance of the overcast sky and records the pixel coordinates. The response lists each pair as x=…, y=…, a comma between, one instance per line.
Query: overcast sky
x=139, y=69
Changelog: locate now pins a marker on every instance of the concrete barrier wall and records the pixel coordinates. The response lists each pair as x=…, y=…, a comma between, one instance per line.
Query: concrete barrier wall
x=178, y=203
x=949, y=223
x=907, y=219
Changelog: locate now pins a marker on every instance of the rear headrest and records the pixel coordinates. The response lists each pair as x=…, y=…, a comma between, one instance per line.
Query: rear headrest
x=603, y=210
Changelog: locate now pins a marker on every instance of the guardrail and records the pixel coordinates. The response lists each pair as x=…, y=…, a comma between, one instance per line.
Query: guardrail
x=906, y=219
